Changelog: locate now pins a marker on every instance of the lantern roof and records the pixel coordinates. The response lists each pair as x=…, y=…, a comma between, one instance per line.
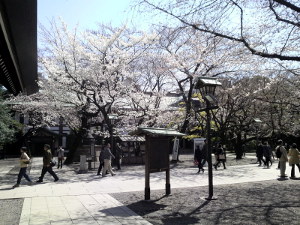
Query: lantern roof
x=113, y=116
x=257, y=120
x=206, y=81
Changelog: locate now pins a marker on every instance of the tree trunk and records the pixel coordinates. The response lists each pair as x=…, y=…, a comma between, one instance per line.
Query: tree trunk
x=238, y=147
x=74, y=147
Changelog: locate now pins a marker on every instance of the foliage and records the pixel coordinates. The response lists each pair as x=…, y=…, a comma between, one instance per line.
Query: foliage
x=8, y=126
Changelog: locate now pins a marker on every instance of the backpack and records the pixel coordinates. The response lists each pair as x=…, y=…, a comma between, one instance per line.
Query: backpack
x=278, y=152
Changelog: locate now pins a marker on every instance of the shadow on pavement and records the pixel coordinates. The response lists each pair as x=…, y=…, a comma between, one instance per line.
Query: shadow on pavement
x=266, y=202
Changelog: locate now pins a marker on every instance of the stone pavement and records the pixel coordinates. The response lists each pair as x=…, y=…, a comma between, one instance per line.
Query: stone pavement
x=86, y=198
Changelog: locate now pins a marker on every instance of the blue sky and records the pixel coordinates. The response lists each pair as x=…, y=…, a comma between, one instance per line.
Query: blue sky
x=87, y=13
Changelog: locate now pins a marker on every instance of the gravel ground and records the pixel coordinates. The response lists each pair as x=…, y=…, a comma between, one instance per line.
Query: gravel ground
x=10, y=211
x=270, y=202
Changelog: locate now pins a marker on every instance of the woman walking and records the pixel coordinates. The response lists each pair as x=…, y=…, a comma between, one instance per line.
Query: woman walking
x=221, y=157
x=294, y=155
x=60, y=157
x=24, y=161
x=198, y=157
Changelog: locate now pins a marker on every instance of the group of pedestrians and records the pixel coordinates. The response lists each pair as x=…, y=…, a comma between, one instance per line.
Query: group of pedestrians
x=105, y=159
x=47, y=166
x=200, y=157
x=265, y=154
x=48, y=163
x=292, y=156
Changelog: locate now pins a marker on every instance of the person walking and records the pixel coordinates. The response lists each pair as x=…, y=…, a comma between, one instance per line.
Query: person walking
x=294, y=155
x=60, y=157
x=267, y=152
x=24, y=162
x=107, y=160
x=47, y=164
x=260, y=154
x=283, y=158
x=198, y=157
x=119, y=153
x=101, y=162
x=221, y=157
x=204, y=154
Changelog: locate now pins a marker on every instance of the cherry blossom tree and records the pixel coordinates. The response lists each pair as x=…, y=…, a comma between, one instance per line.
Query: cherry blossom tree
x=86, y=75
x=268, y=28
x=273, y=99
x=186, y=55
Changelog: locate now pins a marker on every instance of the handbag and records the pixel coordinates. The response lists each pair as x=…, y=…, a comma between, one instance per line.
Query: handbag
x=52, y=163
x=196, y=162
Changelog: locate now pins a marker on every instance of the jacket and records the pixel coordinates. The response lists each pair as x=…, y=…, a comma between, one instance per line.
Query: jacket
x=47, y=158
x=198, y=154
x=60, y=153
x=267, y=151
x=101, y=156
x=24, y=158
x=107, y=153
x=284, y=157
x=294, y=156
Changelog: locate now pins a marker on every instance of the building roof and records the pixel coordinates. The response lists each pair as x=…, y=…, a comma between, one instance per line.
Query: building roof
x=151, y=131
x=131, y=138
x=18, y=41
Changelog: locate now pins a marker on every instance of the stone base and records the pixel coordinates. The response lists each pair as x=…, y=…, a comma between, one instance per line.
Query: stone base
x=86, y=150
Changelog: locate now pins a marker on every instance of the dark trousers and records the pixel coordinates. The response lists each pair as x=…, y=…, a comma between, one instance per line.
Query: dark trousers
x=268, y=161
x=201, y=163
x=200, y=166
x=293, y=169
x=21, y=174
x=261, y=159
x=219, y=161
x=49, y=170
x=100, y=167
x=60, y=162
x=118, y=163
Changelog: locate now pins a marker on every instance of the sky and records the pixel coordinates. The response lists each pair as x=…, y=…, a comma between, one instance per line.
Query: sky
x=86, y=13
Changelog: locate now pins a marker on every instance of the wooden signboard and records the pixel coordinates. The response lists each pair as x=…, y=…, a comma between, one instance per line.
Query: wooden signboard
x=157, y=154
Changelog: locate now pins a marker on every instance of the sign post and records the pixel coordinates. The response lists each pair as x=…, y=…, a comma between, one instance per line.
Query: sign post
x=175, y=149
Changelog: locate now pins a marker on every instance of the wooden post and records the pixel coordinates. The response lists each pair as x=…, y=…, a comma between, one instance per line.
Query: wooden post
x=147, y=171
x=168, y=185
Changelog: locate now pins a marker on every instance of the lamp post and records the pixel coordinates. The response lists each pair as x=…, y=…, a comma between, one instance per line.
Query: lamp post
x=112, y=118
x=207, y=87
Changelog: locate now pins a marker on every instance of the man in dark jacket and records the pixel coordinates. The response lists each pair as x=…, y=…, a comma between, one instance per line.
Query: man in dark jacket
x=260, y=154
x=101, y=162
x=47, y=164
x=119, y=154
x=267, y=151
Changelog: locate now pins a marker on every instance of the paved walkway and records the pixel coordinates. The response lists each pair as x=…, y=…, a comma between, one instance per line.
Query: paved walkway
x=85, y=198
